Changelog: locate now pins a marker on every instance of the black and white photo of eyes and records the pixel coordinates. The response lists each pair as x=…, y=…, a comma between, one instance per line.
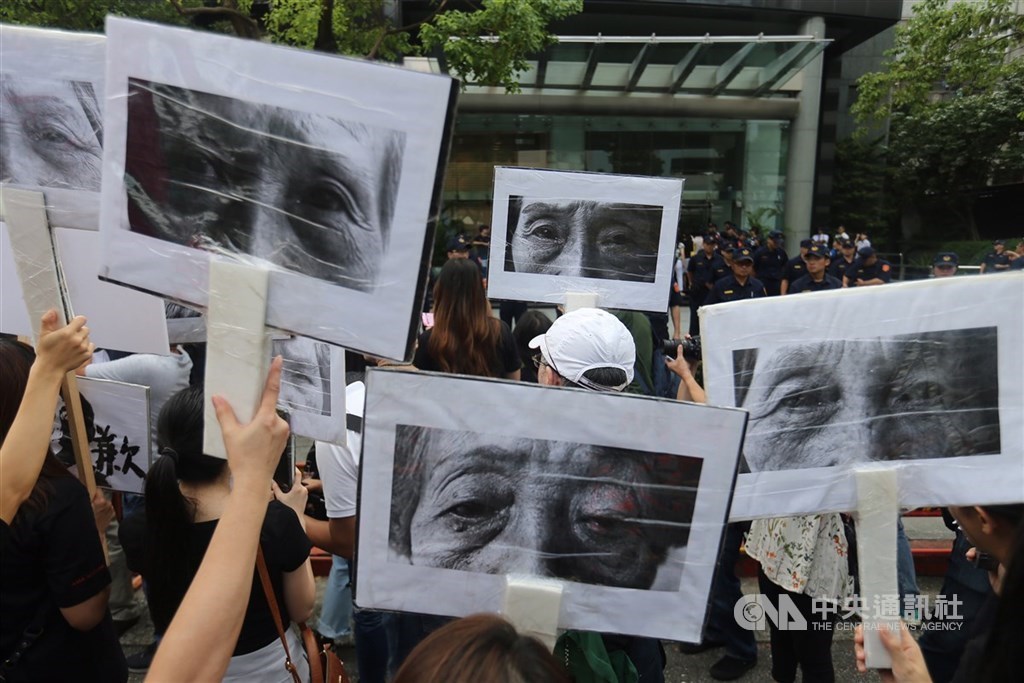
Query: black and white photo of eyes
x=496, y=504
x=51, y=133
x=305, y=376
x=838, y=402
x=583, y=238
x=309, y=193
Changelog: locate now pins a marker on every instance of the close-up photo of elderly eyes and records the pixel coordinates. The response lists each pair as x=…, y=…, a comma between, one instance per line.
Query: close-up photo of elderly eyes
x=52, y=134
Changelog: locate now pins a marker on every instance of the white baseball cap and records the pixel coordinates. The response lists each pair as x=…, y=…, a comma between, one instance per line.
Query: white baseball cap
x=585, y=339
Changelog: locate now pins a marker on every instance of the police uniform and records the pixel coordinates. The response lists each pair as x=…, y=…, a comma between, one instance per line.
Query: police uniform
x=839, y=266
x=795, y=269
x=807, y=284
x=992, y=259
x=703, y=272
x=881, y=269
x=769, y=265
x=728, y=289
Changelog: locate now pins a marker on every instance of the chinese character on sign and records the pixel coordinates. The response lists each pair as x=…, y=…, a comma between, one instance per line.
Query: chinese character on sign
x=105, y=450
x=129, y=451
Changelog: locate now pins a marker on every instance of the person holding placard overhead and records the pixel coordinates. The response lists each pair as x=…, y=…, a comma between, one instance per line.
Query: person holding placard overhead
x=28, y=422
x=54, y=583
x=186, y=492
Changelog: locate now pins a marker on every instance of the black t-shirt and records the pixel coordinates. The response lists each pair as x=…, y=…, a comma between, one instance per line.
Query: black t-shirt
x=285, y=547
x=506, y=357
x=5, y=535
x=55, y=560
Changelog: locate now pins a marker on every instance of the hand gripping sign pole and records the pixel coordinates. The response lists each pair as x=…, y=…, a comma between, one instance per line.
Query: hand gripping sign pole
x=238, y=344
x=32, y=244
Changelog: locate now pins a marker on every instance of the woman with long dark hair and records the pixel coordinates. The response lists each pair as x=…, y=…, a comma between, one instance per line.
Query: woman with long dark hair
x=54, y=583
x=466, y=339
x=186, y=492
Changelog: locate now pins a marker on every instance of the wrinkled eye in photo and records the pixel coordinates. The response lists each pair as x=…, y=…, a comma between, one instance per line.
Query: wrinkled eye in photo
x=498, y=505
x=840, y=402
x=308, y=193
x=51, y=133
x=583, y=238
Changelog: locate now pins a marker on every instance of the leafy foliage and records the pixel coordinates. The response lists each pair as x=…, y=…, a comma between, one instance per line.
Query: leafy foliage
x=953, y=91
x=519, y=26
x=83, y=15
x=488, y=46
x=861, y=196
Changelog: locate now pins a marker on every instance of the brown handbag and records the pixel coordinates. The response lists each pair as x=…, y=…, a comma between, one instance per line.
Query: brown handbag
x=324, y=665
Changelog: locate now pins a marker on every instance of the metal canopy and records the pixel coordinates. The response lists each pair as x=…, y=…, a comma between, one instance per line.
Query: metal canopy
x=750, y=66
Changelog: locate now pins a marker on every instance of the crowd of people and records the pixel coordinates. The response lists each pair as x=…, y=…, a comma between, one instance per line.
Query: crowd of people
x=196, y=535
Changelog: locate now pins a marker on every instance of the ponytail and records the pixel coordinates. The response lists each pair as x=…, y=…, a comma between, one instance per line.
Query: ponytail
x=169, y=514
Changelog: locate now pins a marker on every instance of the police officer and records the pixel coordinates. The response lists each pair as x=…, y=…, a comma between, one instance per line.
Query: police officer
x=867, y=270
x=769, y=262
x=795, y=267
x=996, y=260
x=945, y=264
x=847, y=255
x=817, y=278
x=740, y=284
x=701, y=273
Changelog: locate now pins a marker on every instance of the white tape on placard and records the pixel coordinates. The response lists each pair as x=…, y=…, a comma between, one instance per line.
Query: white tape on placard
x=876, y=517
x=577, y=300
x=533, y=606
x=238, y=344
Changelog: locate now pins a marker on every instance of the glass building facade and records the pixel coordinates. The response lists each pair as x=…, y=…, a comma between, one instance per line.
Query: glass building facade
x=731, y=167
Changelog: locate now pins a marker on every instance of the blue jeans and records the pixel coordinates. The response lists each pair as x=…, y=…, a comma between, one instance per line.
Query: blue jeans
x=336, y=612
x=725, y=591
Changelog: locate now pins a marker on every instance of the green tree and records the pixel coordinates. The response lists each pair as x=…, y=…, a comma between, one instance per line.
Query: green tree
x=861, y=196
x=486, y=46
x=952, y=90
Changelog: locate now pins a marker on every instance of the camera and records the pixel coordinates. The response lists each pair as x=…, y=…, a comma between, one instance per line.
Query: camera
x=691, y=348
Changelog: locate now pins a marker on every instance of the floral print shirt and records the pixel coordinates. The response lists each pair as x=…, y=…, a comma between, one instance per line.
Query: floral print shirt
x=803, y=554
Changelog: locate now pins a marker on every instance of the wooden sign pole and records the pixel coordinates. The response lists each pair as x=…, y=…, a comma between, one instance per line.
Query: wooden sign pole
x=32, y=244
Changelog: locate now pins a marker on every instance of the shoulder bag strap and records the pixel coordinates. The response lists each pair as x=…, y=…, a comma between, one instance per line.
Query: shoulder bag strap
x=268, y=591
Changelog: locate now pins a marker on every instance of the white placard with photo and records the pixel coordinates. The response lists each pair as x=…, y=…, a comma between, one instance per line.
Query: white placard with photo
x=558, y=232
x=621, y=497
x=51, y=96
x=322, y=169
x=313, y=388
x=925, y=377
x=119, y=318
x=120, y=443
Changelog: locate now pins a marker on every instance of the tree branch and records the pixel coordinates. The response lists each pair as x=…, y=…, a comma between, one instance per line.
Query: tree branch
x=243, y=24
x=408, y=27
